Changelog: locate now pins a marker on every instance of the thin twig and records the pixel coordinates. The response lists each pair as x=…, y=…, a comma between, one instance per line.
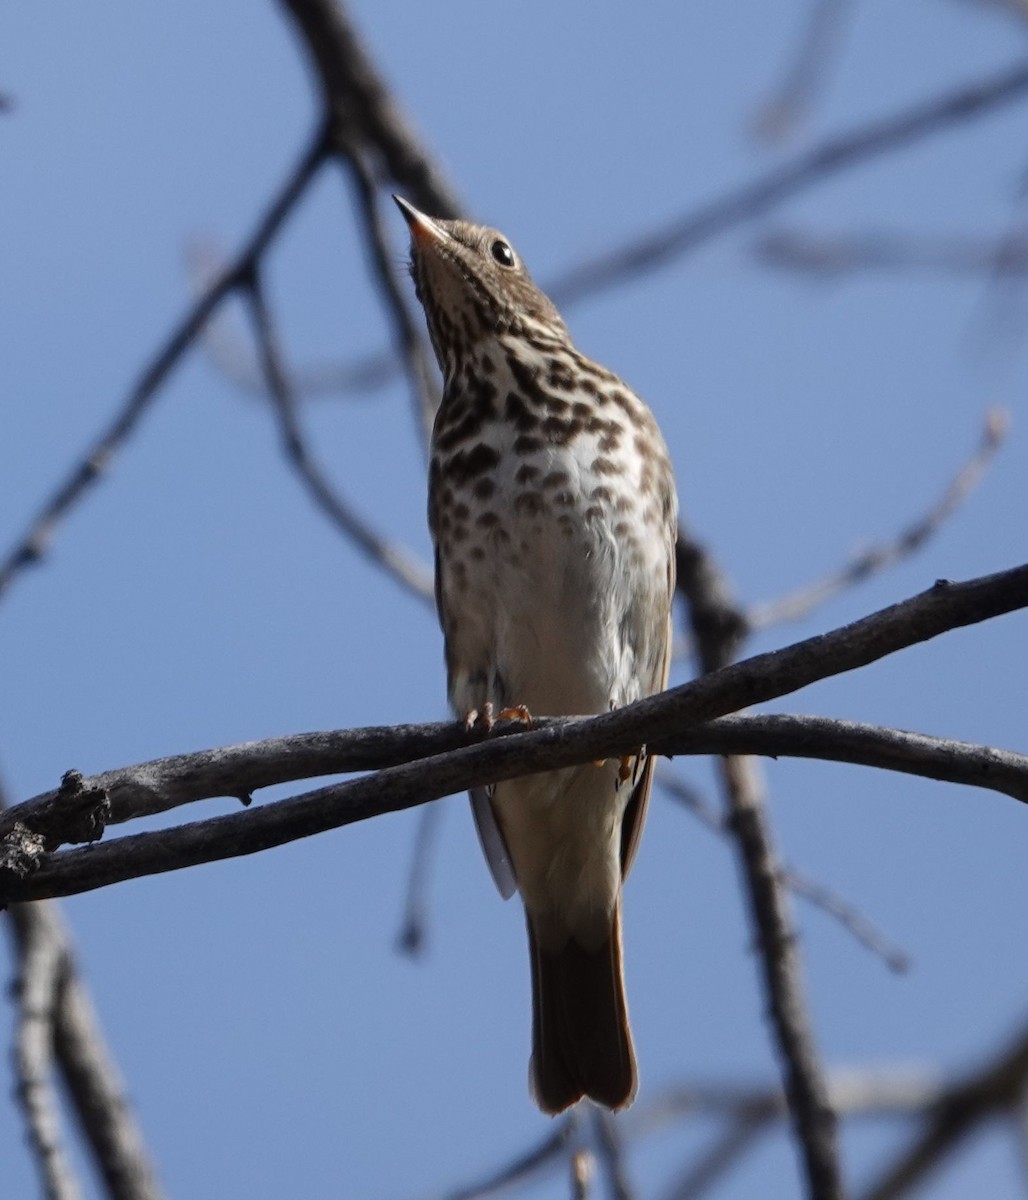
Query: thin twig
x=232, y=354
x=407, y=340
x=610, y=1155
x=647, y=251
x=725, y=1152
x=830, y=256
x=414, y=929
x=394, y=560
x=33, y=543
x=848, y=916
x=992, y=1090
x=535, y=1159
x=824, y=24
x=816, y=894
x=877, y=558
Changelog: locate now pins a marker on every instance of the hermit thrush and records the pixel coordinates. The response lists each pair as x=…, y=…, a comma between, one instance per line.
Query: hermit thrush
x=552, y=507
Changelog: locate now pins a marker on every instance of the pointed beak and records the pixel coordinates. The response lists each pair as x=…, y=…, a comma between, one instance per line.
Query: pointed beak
x=423, y=230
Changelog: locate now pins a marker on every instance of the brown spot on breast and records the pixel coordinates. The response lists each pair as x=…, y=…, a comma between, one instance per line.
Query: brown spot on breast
x=487, y=364
x=565, y=499
x=488, y=519
x=484, y=488
x=527, y=445
x=593, y=513
x=601, y=493
x=477, y=553
x=530, y=503
x=461, y=512
x=466, y=465
x=603, y=466
x=525, y=473
x=559, y=432
x=581, y=410
x=555, y=479
x=609, y=441
x=516, y=410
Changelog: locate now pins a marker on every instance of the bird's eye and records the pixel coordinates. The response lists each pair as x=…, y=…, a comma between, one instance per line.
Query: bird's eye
x=503, y=254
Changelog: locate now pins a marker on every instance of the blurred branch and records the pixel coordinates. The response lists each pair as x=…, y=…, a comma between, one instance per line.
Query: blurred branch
x=655, y=722
x=535, y=1159
x=660, y=246
x=362, y=109
x=886, y=554
x=36, y=994
x=411, y=938
x=656, y=248
x=833, y=255
x=408, y=343
x=57, y=1024
x=824, y=25
x=232, y=355
x=394, y=560
x=816, y=894
x=718, y=629
x=848, y=916
x=87, y=471
x=725, y=1152
x=991, y=1091
x=610, y=1154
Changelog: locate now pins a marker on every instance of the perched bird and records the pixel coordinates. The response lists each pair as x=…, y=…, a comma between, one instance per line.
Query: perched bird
x=553, y=510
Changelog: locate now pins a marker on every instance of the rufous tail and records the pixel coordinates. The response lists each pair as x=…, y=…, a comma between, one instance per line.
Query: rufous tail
x=581, y=1040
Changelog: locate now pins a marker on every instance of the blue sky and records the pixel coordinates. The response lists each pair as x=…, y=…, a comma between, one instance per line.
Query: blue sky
x=274, y=1042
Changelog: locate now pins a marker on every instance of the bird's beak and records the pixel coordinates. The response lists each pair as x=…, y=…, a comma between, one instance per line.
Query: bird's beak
x=423, y=230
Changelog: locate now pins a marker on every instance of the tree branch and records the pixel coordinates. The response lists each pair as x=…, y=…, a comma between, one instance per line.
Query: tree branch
x=84, y=474
x=647, y=251
x=879, y=557
x=994, y=1089
x=654, y=722
x=36, y=991
x=717, y=627
x=394, y=560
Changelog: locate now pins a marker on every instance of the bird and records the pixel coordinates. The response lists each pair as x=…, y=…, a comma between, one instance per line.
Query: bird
x=553, y=512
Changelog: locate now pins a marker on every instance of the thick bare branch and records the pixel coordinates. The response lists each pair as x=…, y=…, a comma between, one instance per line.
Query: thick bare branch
x=653, y=722
x=166, y=783
x=32, y=545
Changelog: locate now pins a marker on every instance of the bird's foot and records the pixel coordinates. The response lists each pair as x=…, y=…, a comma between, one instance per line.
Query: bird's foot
x=483, y=716
x=517, y=712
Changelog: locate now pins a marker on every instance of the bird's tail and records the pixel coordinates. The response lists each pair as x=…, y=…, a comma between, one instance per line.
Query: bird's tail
x=581, y=1040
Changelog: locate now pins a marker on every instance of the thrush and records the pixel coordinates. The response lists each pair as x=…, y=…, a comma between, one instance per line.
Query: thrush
x=553, y=511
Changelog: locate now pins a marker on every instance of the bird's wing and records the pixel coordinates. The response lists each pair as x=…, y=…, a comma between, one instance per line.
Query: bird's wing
x=493, y=845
